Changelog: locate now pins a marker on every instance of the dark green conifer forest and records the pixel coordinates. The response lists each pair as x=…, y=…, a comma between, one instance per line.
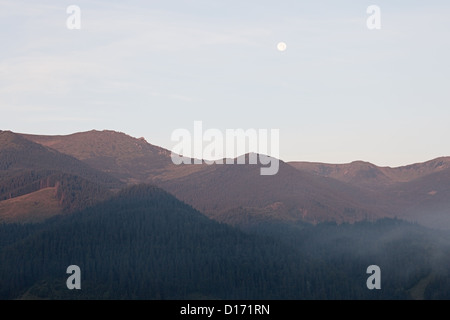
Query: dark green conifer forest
x=143, y=243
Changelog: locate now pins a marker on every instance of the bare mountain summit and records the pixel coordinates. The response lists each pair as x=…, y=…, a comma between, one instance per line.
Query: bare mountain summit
x=301, y=191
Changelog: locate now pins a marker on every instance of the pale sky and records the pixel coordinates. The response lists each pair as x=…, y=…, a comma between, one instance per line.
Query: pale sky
x=338, y=93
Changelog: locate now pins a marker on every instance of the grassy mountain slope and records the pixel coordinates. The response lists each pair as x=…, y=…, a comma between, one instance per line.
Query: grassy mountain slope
x=129, y=159
x=32, y=207
x=18, y=153
x=27, y=168
x=237, y=194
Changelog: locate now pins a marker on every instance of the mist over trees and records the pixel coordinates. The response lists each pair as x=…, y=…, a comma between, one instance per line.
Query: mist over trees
x=273, y=241
x=145, y=244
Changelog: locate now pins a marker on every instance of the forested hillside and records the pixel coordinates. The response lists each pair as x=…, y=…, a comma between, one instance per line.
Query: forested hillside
x=145, y=244
x=18, y=153
x=27, y=168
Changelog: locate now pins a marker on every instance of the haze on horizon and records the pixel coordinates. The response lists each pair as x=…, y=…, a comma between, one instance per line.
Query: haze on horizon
x=338, y=93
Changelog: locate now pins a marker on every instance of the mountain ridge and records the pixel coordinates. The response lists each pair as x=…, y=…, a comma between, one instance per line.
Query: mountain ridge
x=307, y=191
x=356, y=170
x=27, y=168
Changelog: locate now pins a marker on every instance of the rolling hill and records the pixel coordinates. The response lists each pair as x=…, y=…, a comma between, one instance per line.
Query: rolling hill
x=418, y=192
x=220, y=191
x=32, y=207
x=126, y=158
x=228, y=192
x=237, y=194
x=28, y=171
x=367, y=175
x=18, y=153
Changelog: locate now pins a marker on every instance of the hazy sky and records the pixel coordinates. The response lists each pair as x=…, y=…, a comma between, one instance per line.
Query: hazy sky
x=340, y=92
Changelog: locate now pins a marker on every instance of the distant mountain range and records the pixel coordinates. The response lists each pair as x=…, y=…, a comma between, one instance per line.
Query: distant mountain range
x=235, y=194
x=96, y=199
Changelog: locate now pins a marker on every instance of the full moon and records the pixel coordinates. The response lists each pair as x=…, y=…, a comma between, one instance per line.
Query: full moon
x=281, y=46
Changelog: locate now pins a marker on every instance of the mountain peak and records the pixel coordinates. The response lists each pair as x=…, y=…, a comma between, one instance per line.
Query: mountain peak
x=105, y=131
x=11, y=140
x=362, y=163
x=130, y=159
